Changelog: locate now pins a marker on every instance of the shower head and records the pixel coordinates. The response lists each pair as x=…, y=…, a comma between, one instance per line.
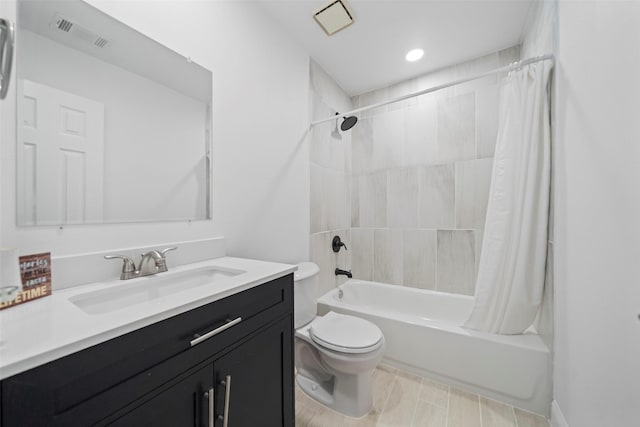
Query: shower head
x=348, y=122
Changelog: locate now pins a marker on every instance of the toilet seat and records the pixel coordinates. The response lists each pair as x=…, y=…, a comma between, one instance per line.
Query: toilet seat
x=345, y=334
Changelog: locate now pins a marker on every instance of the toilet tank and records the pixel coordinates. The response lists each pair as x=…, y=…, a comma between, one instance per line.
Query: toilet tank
x=305, y=291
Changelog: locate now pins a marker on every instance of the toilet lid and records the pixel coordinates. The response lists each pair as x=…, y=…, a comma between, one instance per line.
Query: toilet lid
x=347, y=334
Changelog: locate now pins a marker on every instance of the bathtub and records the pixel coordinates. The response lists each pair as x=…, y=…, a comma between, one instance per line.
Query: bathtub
x=423, y=335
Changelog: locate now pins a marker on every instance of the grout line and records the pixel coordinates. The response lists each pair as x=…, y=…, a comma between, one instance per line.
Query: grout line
x=393, y=383
x=479, y=410
x=446, y=415
x=435, y=281
x=415, y=407
x=515, y=417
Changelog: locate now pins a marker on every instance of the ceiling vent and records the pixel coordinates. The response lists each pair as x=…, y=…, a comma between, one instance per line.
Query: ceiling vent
x=64, y=25
x=334, y=17
x=79, y=32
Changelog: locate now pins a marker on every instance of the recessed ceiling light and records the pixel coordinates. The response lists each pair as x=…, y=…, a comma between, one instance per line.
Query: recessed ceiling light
x=414, y=55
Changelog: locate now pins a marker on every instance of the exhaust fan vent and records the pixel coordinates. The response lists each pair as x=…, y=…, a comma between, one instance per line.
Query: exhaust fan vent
x=334, y=17
x=100, y=42
x=64, y=25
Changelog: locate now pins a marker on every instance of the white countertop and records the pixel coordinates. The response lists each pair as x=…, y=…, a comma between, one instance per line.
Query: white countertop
x=40, y=331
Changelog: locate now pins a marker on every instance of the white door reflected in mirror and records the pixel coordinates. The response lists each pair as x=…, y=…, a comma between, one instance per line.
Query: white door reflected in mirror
x=60, y=157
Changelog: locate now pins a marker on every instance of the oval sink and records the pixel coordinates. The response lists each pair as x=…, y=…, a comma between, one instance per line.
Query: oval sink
x=149, y=288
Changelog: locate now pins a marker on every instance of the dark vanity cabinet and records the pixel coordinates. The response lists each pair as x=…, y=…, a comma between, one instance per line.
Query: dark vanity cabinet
x=174, y=372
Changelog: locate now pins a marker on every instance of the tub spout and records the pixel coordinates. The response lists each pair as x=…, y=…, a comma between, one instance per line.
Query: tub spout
x=344, y=273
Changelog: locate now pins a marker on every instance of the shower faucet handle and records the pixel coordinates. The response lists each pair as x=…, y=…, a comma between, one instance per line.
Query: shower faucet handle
x=337, y=243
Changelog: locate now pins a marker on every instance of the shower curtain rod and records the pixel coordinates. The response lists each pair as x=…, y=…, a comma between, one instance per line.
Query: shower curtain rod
x=510, y=67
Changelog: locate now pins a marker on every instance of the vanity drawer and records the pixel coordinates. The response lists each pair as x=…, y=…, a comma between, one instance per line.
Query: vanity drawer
x=64, y=384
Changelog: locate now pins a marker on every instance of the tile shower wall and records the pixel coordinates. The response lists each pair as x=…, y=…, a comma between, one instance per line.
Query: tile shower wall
x=330, y=167
x=420, y=177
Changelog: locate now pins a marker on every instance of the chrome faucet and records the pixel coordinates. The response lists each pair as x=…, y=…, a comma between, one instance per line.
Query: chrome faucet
x=152, y=262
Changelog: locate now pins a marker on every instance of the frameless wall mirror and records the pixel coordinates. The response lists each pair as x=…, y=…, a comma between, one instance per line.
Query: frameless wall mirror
x=112, y=126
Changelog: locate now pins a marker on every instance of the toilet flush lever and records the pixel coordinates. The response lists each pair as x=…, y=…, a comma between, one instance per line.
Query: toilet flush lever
x=337, y=243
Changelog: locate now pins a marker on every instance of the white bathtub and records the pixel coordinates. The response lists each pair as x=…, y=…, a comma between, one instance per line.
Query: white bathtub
x=423, y=335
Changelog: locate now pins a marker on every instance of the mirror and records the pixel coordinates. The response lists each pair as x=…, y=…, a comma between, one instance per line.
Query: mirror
x=112, y=126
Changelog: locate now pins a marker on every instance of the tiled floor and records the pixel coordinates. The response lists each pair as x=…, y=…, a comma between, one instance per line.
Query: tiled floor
x=405, y=400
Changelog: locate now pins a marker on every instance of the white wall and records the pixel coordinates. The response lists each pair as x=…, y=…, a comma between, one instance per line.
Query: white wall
x=597, y=222
x=261, y=168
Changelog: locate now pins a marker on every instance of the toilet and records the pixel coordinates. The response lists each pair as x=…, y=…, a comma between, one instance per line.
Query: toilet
x=335, y=354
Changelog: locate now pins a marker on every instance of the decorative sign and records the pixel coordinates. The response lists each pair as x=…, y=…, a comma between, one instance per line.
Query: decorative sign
x=35, y=271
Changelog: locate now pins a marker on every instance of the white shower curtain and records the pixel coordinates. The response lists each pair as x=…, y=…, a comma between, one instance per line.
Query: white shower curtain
x=511, y=273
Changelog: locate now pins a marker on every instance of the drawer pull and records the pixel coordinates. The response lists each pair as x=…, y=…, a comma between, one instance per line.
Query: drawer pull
x=197, y=339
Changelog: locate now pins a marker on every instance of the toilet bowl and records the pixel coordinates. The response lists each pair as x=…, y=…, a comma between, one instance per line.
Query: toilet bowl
x=335, y=354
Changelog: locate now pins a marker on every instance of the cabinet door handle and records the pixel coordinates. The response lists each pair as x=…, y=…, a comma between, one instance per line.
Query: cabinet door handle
x=227, y=400
x=210, y=395
x=197, y=339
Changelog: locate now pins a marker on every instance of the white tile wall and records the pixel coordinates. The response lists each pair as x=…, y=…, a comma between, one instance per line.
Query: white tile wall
x=421, y=175
x=437, y=196
x=318, y=220
x=327, y=89
x=486, y=120
x=403, y=198
x=408, y=184
x=370, y=98
x=372, y=199
x=473, y=68
x=388, y=140
x=456, y=128
x=456, y=262
x=362, y=253
x=421, y=133
x=387, y=256
x=436, y=78
x=330, y=178
x=419, y=258
x=362, y=147
x=506, y=57
x=401, y=89
x=323, y=255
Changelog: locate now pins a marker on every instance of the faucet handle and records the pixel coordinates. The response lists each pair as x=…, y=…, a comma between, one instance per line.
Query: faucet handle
x=128, y=266
x=336, y=244
x=165, y=250
x=161, y=262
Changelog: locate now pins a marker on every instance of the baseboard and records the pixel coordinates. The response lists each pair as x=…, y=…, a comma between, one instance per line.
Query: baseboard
x=557, y=419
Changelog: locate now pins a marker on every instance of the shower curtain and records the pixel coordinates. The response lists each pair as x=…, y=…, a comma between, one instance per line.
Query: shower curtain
x=511, y=273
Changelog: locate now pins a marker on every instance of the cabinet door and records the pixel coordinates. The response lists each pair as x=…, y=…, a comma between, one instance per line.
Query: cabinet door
x=184, y=403
x=254, y=382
